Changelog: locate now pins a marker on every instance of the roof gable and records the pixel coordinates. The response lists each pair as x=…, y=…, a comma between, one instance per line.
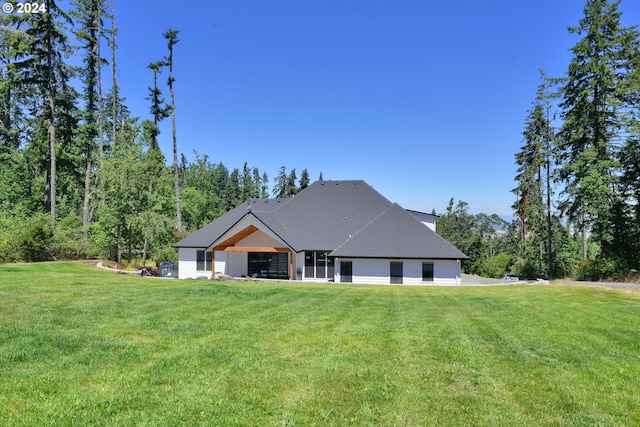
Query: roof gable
x=204, y=237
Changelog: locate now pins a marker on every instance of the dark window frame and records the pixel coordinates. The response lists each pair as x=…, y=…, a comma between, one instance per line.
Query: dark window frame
x=268, y=265
x=396, y=272
x=428, y=277
x=346, y=278
x=204, y=260
x=319, y=265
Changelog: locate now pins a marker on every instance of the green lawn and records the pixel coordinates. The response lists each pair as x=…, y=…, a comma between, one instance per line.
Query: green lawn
x=79, y=346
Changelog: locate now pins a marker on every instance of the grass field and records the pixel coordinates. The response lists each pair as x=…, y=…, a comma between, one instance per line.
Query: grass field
x=79, y=346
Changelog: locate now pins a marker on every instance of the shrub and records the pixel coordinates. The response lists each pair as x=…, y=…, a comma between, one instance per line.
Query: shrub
x=496, y=267
x=69, y=240
x=9, y=249
x=167, y=253
x=596, y=269
x=36, y=239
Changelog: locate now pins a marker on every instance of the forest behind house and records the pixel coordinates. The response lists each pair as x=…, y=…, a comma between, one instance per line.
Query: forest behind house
x=83, y=177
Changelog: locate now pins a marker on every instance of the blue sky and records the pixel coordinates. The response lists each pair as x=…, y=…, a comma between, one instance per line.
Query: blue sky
x=424, y=100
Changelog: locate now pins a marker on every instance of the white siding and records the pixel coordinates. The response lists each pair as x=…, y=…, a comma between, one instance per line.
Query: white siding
x=187, y=267
x=377, y=271
x=220, y=262
x=425, y=218
x=373, y=271
x=447, y=272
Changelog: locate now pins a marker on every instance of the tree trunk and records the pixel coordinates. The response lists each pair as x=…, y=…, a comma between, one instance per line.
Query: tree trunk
x=86, y=215
x=100, y=131
x=52, y=134
x=584, y=244
x=175, y=140
x=144, y=252
x=114, y=77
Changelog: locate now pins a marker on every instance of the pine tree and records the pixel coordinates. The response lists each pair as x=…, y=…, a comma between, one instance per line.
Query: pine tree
x=89, y=15
x=115, y=89
x=281, y=182
x=596, y=98
x=304, y=179
x=42, y=64
x=172, y=39
x=159, y=109
x=533, y=161
x=291, y=188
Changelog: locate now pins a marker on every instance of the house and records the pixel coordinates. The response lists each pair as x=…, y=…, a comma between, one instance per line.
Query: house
x=342, y=231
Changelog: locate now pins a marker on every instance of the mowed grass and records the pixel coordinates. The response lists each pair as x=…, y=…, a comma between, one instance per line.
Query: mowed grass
x=79, y=346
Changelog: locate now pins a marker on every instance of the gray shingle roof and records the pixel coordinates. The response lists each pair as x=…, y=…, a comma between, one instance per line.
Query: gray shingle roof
x=204, y=237
x=395, y=233
x=349, y=218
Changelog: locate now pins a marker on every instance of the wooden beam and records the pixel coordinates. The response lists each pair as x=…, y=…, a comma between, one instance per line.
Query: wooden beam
x=213, y=264
x=291, y=273
x=254, y=249
x=246, y=232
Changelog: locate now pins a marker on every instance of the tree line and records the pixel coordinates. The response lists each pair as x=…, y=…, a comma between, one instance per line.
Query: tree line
x=578, y=179
x=82, y=176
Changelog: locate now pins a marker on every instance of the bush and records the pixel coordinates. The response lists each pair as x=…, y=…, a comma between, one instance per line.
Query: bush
x=36, y=239
x=495, y=267
x=166, y=253
x=597, y=269
x=69, y=240
x=9, y=248
x=528, y=269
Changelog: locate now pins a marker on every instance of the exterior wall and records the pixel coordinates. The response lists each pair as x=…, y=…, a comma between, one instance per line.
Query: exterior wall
x=187, y=268
x=220, y=262
x=238, y=264
x=425, y=218
x=373, y=271
x=298, y=263
x=365, y=271
x=376, y=271
x=244, y=223
x=260, y=238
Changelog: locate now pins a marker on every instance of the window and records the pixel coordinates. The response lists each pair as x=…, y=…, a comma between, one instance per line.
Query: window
x=309, y=262
x=346, y=271
x=331, y=268
x=274, y=265
x=321, y=263
x=317, y=264
x=395, y=271
x=203, y=260
x=427, y=272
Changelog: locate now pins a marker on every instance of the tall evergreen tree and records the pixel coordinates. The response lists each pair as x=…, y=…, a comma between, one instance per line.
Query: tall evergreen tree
x=281, y=181
x=42, y=64
x=291, y=189
x=304, y=179
x=172, y=38
x=530, y=160
x=89, y=15
x=595, y=105
x=533, y=180
x=264, y=187
x=159, y=109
